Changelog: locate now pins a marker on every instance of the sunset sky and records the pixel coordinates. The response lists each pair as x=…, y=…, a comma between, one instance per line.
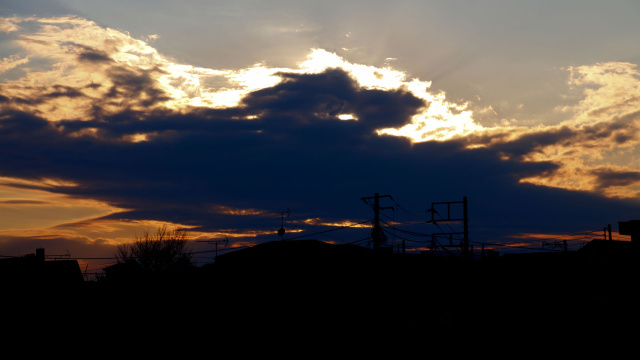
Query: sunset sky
x=118, y=117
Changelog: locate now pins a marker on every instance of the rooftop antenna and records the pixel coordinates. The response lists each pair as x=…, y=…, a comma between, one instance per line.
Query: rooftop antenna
x=281, y=231
x=216, y=242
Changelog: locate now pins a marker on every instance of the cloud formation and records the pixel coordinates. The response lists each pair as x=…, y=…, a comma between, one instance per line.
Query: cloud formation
x=92, y=116
x=597, y=141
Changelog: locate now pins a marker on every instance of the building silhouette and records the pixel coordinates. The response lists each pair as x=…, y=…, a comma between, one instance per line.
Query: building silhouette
x=33, y=271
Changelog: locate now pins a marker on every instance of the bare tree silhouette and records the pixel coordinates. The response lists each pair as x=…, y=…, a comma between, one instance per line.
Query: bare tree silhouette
x=157, y=252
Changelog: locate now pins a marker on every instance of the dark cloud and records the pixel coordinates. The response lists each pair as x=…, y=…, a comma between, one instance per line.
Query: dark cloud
x=17, y=126
x=11, y=100
x=91, y=55
x=126, y=88
x=139, y=85
x=620, y=130
x=307, y=97
x=23, y=202
x=610, y=177
x=295, y=154
x=63, y=91
x=589, y=138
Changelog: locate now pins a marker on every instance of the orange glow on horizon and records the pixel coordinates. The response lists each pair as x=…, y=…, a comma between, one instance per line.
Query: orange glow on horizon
x=577, y=236
x=343, y=223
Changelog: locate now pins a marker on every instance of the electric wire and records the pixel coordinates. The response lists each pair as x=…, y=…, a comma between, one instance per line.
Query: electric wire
x=330, y=230
x=444, y=221
x=358, y=241
x=512, y=246
x=222, y=250
x=403, y=238
x=406, y=231
x=405, y=210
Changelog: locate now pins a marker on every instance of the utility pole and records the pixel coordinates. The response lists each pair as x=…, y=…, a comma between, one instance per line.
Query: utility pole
x=606, y=231
x=465, y=241
x=376, y=233
x=464, y=246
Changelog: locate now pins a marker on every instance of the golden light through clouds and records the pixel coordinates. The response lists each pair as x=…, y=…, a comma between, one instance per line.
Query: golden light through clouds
x=29, y=205
x=71, y=66
x=60, y=42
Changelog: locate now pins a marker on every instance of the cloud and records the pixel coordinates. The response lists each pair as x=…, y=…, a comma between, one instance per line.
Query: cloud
x=599, y=134
x=11, y=62
x=329, y=94
x=612, y=177
x=28, y=205
x=8, y=25
x=612, y=90
x=22, y=202
x=101, y=117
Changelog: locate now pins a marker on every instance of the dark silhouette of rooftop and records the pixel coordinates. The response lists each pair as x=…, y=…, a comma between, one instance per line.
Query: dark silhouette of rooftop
x=33, y=271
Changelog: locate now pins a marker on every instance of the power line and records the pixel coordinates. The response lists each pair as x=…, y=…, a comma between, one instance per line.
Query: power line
x=403, y=209
x=403, y=238
x=357, y=241
x=414, y=233
x=444, y=221
x=326, y=231
x=405, y=231
x=222, y=250
x=516, y=246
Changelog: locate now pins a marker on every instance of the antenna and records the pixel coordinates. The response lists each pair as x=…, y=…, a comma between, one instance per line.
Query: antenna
x=216, y=242
x=562, y=244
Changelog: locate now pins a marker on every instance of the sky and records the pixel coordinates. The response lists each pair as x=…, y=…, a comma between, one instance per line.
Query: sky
x=232, y=118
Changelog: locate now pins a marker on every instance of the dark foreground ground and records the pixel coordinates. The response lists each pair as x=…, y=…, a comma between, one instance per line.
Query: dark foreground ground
x=317, y=290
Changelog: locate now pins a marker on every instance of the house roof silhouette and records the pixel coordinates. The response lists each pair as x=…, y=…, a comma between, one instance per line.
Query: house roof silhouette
x=32, y=271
